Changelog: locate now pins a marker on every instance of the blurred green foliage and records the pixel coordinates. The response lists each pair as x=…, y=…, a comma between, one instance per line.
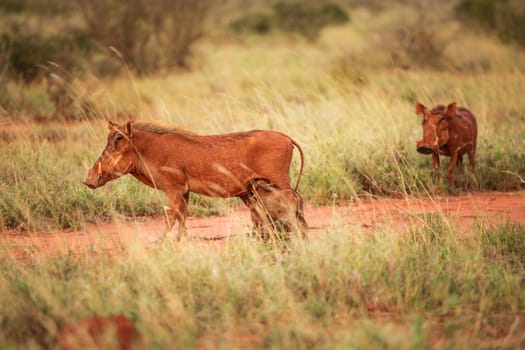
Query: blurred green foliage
x=40, y=7
x=259, y=23
x=308, y=19
x=303, y=18
x=503, y=17
x=28, y=55
x=148, y=35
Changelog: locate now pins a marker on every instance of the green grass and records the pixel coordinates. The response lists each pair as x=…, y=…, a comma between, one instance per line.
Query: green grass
x=341, y=98
x=355, y=142
x=430, y=286
x=43, y=186
x=352, y=111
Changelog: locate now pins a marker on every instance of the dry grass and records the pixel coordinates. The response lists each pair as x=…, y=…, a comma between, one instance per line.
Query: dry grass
x=425, y=287
x=354, y=120
x=352, y=112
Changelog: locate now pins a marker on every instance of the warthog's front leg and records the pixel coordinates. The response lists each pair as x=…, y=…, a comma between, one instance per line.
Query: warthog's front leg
x=451, y=169
x=177, y=211
x=472, y=160
x=436, y=167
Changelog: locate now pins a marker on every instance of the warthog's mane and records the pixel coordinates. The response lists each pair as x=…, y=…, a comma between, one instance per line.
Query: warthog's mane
x=209, y=140
x=160, y=129
x=438, y=109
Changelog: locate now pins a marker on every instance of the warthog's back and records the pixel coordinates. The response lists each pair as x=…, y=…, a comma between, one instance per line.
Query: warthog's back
x=464, y=127
x=221, y=165
x=468, y=119
x=232, y=160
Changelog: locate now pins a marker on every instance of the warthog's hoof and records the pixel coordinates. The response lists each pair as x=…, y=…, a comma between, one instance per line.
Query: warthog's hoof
x=453, y=191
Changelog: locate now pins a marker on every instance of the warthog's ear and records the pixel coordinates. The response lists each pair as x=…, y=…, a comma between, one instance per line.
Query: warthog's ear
x=112, y=125
x=129, y=128
x=421, y=109
x=451, y=109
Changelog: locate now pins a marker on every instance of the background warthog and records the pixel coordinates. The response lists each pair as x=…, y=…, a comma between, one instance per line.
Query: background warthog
x=178, y=162
x=451, y=131
x=100, y=332
x=272, y=209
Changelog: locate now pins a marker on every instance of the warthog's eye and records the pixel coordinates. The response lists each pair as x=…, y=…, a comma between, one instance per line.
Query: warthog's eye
x=117, y=139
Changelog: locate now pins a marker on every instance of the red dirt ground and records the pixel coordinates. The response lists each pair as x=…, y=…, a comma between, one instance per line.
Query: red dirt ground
x=384, y=213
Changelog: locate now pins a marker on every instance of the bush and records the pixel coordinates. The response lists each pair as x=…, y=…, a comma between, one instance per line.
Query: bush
x=305, y=19
x=308, y=19
x=147, y=34
x=40, y=7
x=420, y=44
x=32, y=57
x=505, y=18
x=26, y=53
x=253, y=23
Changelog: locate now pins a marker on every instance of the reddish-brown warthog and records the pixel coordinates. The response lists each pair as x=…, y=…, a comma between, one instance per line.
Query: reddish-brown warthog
x=451, y=131
x=100, y=332
x=273, y=210
x=177, y=162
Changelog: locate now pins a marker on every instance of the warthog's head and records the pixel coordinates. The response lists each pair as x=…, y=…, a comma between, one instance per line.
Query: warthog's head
x=116, y=159
x=435, y=127
x=268, y=205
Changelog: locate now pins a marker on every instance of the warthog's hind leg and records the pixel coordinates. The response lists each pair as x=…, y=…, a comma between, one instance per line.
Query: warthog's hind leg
x=302, y=225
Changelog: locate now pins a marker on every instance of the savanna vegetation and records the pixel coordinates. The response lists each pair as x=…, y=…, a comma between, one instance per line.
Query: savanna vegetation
x=341, y=78
x=424, y=288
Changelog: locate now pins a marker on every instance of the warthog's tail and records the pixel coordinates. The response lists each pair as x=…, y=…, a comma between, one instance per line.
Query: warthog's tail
x=302, y=162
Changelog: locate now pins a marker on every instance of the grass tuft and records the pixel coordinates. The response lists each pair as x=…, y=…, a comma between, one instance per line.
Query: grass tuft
x=383, y=288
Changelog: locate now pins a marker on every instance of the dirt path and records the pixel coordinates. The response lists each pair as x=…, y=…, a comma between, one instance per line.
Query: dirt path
x=371, y=214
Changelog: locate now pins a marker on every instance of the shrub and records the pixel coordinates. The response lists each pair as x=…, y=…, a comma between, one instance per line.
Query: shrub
x=253, y=23
x=420, y=44
x=41, y=7
x=32, y=57
x=307, y=19
x=148, y=34
x=26, y=53
x=505, y=18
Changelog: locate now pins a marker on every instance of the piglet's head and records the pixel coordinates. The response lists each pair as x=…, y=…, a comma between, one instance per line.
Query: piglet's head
x=435, y=127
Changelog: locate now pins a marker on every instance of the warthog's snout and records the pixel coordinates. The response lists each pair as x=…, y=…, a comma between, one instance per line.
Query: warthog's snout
x=424, y=150
x=421, y=147
x=90, y=185
x=95, y=178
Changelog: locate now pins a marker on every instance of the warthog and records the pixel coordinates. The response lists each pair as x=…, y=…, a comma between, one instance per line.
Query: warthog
x=451, y=131
x=273, y=210
x=177, y=162
x=100, y=332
